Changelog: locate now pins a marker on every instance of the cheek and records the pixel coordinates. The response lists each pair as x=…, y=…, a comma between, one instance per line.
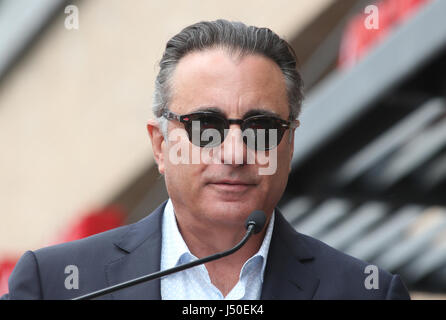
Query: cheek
x=182, y=182
x=282, y=160
x=181, y=176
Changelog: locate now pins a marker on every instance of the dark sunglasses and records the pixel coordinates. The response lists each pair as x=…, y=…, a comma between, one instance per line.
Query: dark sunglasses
x=257, y=130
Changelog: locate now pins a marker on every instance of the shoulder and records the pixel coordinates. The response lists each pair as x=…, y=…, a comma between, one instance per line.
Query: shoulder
x=308, y=248
x=340, y=275
x=103, y=247
x=338, y=262
x=42, y=274
x=347, y=277
x=96, y=245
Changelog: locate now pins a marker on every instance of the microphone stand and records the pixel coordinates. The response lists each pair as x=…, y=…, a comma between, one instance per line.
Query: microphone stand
x=162, y=273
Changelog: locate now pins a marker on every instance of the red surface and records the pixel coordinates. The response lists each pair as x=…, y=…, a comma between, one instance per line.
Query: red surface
x=358, y=40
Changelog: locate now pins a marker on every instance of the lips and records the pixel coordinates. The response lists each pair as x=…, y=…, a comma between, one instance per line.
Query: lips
x=228, y=185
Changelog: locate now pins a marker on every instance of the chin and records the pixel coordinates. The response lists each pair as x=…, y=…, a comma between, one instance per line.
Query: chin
x=230, y=211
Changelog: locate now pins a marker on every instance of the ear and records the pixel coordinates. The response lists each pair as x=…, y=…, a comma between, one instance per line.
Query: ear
x=157, y=138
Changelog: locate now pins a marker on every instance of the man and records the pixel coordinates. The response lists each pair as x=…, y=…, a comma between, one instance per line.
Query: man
x=226, y=104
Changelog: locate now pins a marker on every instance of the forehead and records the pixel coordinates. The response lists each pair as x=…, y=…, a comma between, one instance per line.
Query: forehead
x=233, y=84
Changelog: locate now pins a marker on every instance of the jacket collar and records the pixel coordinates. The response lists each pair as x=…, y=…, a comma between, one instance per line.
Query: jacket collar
x=140, y=255
x=288, y=275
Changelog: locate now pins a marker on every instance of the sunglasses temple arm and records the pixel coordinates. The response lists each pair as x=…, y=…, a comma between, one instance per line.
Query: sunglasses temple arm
x=169, y=115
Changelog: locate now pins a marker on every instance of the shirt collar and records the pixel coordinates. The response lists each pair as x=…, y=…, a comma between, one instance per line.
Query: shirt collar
x=174, y=250
x=173, y=245
x=264, y=248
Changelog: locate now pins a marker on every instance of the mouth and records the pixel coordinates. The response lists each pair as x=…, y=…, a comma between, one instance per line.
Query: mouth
x=236, y=186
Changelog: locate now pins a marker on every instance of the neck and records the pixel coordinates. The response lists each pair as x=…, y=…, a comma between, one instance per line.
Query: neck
x=206, y=239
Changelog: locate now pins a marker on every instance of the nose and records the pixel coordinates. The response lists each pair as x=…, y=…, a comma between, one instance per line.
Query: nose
x=233, y=149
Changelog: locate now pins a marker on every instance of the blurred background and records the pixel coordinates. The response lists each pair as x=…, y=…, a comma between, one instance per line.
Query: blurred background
x=369, y=170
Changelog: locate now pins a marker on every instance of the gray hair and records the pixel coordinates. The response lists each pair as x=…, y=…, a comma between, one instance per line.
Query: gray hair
x=237, y=38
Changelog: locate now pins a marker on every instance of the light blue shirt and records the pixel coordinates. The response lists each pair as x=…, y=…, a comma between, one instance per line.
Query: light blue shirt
x=194, y=283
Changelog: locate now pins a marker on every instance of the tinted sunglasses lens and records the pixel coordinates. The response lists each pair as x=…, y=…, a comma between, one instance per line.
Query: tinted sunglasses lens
x=206, y=130
x=259, y=132
x=262, y=133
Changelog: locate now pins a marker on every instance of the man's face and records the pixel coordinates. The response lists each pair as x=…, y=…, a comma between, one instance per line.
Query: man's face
x=225, y=193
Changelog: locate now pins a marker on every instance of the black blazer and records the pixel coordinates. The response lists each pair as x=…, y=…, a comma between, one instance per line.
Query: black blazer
x=298, y=267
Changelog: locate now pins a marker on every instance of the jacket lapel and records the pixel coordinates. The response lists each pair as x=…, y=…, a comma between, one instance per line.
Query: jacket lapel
x=141, y=255
x=287, y=274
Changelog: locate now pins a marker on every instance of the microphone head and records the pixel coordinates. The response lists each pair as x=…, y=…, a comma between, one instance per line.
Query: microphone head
x=256, y=218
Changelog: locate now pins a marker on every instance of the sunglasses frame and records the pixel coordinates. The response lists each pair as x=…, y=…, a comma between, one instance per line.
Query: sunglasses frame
x=186, y=119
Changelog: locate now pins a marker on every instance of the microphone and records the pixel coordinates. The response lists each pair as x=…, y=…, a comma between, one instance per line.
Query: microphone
x=254, y=224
